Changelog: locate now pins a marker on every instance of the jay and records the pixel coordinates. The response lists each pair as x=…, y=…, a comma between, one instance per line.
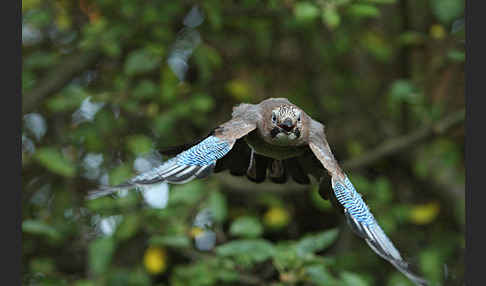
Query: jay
x=278, y=140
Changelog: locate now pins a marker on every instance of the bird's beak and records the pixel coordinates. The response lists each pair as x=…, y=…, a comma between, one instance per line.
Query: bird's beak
x=287, y=125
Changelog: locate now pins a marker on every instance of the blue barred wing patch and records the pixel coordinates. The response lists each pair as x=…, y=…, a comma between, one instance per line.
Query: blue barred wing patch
x=196, y=162
x=352, y=202
x=361, y=220
x=204, y=153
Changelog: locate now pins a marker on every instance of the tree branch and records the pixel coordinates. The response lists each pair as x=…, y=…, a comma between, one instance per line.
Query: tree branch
x=396, y=145
x=57, y=79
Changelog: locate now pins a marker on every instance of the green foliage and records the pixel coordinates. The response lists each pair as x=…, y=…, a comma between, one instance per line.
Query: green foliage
x=353, y=65
x=313, y=243
x=247, y=251
x=68, y=100
x=41, y=228
x=140, y=61
x=306, y=11
x=363, y=11
x=352, y=279
x=447, y=10
x=55, y=161
x=139, y=144
x=177, y=241
x=218, y=205
x=100, y=254
x=119, y=174
x=247, y=227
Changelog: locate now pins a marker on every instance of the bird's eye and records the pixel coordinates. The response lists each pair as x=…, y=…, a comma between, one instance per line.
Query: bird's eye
x=298, y=118
x=274, y=117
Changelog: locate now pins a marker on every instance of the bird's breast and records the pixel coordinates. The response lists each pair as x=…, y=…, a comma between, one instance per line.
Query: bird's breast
x=279, y=152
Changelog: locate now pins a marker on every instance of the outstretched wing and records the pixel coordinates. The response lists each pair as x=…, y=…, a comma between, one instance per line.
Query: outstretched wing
x=357, y=213
x=196, y=162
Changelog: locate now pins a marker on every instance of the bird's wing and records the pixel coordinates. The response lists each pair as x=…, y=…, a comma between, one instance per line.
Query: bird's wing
x=197, y=161
x=357, y=213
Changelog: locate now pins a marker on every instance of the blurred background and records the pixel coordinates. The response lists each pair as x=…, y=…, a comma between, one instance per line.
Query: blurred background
x=108, y=84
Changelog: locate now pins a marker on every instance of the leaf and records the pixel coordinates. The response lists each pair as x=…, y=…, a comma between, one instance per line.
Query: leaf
x=100, y=254
x=276, y=217
x=403, y=91
x=363, y=11
x=179, y=241
x=411, y=38
x=306, y=11
x=383, y=190
x=239, y=89
x=352, y=279
x=196, y=274
x=155, y=260
x=54, y=161
x=188, y=193
x=40, y=59
x=246, y=226
x=38, y=227
x=437, y=32
x=456, y=56
x=218, y=206
x=424, y=214
x=44, y=265
x=316, y=242
x=382, y=1
x=139, y=144
x=398, y=279
x=431, y=261
x=447, y=10
x=140, y=61
x=331, y=18
x=318, y=201
x=320, y=275
x=202, y=102
x=377, y=45
x=249, y=250
x=84, y=283
x=120, y=174
x=128, y=227
x=69, y=99
x=145, y=89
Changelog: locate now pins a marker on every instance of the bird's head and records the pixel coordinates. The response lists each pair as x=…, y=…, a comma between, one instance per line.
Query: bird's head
x=286, y=123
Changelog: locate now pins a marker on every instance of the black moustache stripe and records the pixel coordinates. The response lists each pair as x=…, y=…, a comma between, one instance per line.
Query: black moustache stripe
x=297, y=132
x=277, y=130
x=274, y=132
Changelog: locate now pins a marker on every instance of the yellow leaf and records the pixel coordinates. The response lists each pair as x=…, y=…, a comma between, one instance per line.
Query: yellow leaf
x=239, y=90
x=276, y=217
x=30, y=4
x=424, y=214
x=155, y=260
x=437, y=32
x=196, y=231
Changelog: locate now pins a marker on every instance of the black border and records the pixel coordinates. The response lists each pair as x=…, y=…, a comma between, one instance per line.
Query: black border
x=473, y=73
x=11, y=31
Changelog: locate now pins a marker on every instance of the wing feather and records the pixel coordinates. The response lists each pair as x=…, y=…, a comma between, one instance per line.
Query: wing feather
x=357, y=213
x=197, y=161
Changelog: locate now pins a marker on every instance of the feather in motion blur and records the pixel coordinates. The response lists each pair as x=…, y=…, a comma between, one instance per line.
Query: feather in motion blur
x=274, y=139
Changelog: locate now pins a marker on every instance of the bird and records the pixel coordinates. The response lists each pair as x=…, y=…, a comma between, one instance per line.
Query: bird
x=275, y=139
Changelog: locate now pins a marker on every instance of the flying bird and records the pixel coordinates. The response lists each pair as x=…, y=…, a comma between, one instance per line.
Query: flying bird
x=278, y=140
